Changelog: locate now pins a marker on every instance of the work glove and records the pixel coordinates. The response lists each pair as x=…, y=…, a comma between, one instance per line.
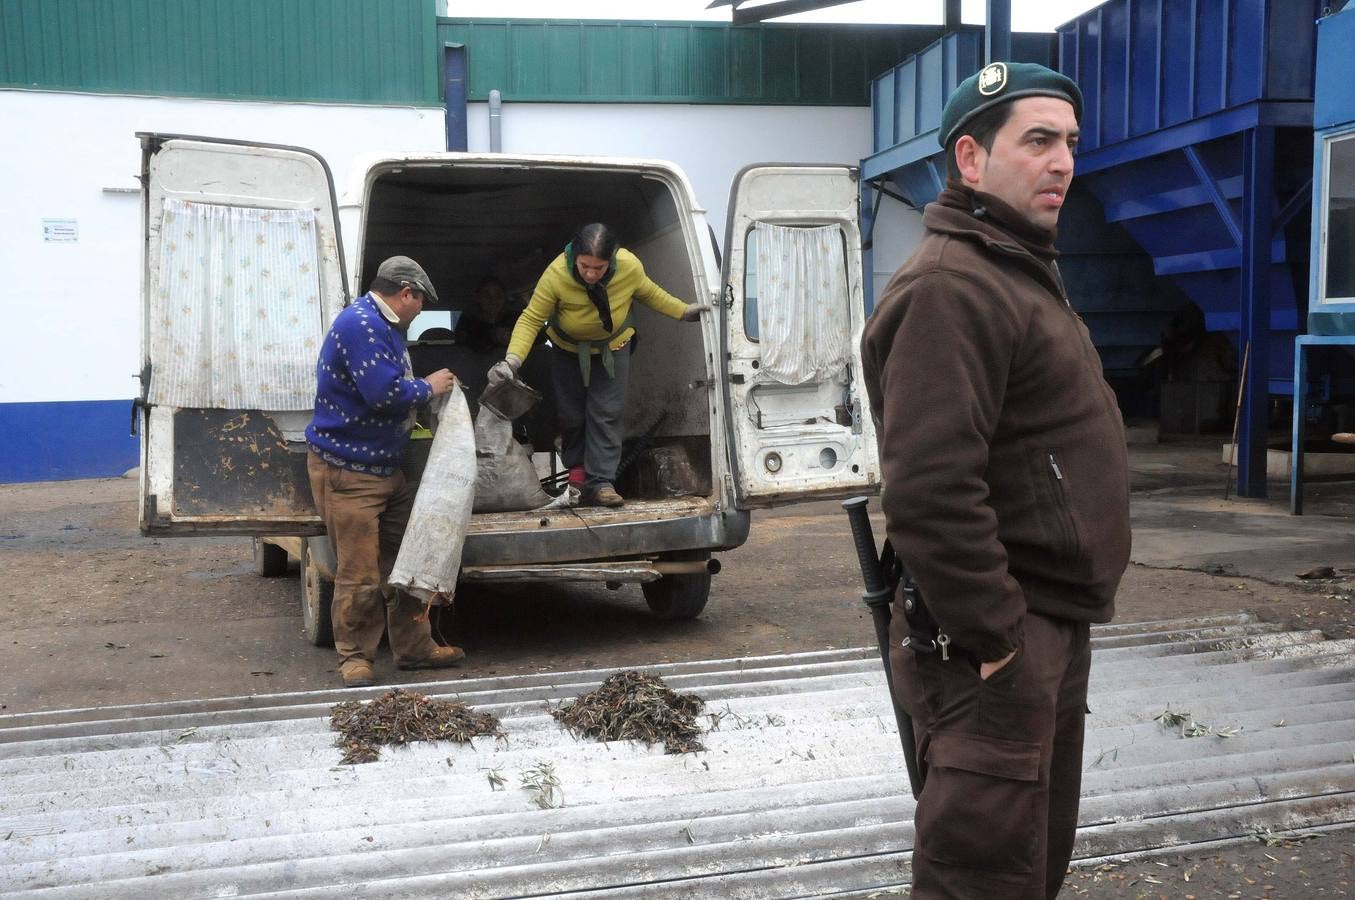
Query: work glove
x=694, y=311
x=505, y=369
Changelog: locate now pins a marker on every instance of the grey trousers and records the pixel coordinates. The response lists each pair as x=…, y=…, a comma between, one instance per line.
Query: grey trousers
x=591, y=419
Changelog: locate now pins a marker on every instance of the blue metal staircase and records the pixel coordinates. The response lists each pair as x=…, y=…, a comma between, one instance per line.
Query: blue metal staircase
x=1196, y=140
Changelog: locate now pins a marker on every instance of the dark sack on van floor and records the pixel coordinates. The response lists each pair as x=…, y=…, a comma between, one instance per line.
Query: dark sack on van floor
x=505, y=479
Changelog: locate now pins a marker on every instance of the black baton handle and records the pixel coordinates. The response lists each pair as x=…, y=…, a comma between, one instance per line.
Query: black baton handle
x=863, y=536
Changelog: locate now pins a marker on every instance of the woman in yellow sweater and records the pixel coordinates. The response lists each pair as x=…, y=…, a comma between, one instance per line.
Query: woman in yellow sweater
x=583, y=300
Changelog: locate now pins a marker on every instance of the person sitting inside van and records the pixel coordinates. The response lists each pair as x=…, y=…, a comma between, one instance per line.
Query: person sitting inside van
x=487, y=324
x=583, y=300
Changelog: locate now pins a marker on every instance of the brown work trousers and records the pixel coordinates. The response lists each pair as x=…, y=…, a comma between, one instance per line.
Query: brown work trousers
x=366, y=516
x=998, y=811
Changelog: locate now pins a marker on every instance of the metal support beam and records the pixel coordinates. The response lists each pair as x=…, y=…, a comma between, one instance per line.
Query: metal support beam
x=1302, y=199
x=997, y=32
x=454, y=95
x=1296, y=427
x=1258, y=225
x=952, y=15
x=1302, y=345
x=870, y=208
x=937, y=167
x=765, y=11
x=1285, y=114
x=1215, y=195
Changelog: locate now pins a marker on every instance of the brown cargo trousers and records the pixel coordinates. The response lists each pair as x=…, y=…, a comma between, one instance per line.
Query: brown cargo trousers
x=998, y=812
x=366, y=517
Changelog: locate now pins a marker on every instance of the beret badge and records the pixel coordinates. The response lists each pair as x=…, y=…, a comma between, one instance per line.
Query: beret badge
x=992, y=79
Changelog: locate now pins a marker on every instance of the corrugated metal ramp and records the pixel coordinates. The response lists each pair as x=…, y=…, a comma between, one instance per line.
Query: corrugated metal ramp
x=801, y=792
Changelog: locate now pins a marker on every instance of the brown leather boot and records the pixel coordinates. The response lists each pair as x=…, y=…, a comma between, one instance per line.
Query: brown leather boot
x=440, y=658
x=607, y=496
x=357, y=673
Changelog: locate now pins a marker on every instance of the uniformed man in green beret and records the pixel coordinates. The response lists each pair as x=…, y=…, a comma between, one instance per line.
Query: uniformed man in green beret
x=1005, y=493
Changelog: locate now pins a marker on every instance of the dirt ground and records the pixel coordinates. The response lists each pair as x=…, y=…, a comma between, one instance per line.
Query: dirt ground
x=94, y=614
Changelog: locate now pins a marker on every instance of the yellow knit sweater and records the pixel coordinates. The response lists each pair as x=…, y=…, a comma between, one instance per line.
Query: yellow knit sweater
x=559, y=295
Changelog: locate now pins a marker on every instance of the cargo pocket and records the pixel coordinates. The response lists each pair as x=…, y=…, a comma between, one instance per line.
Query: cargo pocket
x=978, y=809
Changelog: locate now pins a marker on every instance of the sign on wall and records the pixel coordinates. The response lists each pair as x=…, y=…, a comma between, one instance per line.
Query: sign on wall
x=60, y=231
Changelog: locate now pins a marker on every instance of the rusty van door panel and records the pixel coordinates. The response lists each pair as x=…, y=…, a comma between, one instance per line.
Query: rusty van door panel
x=793, y=312
x=233, y=460
x=242, y=275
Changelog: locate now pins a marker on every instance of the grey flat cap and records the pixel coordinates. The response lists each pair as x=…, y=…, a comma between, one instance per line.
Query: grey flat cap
x=402, y=269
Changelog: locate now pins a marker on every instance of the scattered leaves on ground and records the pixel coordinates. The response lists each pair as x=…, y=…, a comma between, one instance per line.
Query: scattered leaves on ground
x=1191, y=728
x=400, y=717
x=540, y=780
x=632, y=705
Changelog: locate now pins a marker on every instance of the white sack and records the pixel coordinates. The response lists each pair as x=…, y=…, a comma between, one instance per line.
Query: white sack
x=430, y=554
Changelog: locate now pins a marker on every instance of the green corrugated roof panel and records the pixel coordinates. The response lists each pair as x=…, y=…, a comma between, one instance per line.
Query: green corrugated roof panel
x=678, y=62
x=356, y=51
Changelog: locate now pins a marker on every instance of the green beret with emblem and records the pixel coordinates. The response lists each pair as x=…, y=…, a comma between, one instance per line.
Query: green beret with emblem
x=1000, y=82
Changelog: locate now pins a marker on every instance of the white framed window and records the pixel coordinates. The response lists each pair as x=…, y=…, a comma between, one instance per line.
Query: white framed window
x=237, y=317
x=1336, y=277
x=796, y=301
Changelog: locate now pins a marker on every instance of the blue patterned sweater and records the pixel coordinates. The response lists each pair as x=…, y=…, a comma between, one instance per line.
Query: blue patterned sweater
x=365, y=392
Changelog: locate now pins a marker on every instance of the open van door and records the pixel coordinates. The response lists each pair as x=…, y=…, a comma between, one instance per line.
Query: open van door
x=792, y=312
x=242, y=275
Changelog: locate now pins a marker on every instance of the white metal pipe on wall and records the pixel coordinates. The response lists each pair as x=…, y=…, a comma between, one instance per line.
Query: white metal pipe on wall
x=495, y=122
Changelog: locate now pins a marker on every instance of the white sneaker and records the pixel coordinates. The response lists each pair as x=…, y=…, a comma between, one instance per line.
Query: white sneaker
x=570, y=497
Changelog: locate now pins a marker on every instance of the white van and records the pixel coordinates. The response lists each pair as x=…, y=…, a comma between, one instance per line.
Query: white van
x=246, y=264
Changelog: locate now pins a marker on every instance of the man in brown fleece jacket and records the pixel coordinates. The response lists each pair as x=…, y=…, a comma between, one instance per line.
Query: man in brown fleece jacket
x=1005, y=493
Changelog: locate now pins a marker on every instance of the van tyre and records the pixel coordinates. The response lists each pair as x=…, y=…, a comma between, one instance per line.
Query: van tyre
x=270, y=560
x=679, y=596
x=317, y=602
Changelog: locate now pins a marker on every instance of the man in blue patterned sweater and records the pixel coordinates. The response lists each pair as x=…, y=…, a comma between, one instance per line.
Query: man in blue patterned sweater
x=365, y=400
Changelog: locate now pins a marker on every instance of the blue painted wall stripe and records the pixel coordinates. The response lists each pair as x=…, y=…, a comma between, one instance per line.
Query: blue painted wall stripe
x=66, y=440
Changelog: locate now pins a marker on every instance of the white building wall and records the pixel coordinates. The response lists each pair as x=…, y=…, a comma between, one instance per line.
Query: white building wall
x=76, y=157
x=710, y=143
x=898, y=230
x=77, y=332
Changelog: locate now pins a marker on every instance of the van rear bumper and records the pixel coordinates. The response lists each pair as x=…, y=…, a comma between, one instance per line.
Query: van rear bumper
x=591, y=534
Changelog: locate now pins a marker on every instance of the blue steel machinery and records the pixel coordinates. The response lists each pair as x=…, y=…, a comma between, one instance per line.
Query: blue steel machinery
x=1331, y=286
x=1196, y=140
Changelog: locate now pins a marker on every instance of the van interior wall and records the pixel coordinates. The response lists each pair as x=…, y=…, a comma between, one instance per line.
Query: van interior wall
x=669, y=355
x=464, y=224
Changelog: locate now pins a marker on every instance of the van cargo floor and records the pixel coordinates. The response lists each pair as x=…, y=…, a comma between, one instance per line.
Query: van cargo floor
x=576, y=516
x=800, y=792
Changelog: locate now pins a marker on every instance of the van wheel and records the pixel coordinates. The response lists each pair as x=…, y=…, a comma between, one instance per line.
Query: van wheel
x=317, y=602
x=270, y=560
x=679, y=596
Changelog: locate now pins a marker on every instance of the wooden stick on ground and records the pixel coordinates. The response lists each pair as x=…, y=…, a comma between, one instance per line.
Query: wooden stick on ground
x=1237, y=420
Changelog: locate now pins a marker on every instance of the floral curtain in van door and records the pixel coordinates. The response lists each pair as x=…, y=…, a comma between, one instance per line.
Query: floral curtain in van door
x=236, y=318
x=803, y=321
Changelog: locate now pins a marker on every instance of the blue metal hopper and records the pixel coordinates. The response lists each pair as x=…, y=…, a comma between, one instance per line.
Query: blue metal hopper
x=1196, y=140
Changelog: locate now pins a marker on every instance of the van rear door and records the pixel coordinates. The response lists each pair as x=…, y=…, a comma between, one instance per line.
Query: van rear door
x=792, y=312
x=242, y=274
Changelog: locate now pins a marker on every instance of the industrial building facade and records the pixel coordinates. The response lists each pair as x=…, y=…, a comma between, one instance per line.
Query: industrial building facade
x=346, y=79
x=1191, y=215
